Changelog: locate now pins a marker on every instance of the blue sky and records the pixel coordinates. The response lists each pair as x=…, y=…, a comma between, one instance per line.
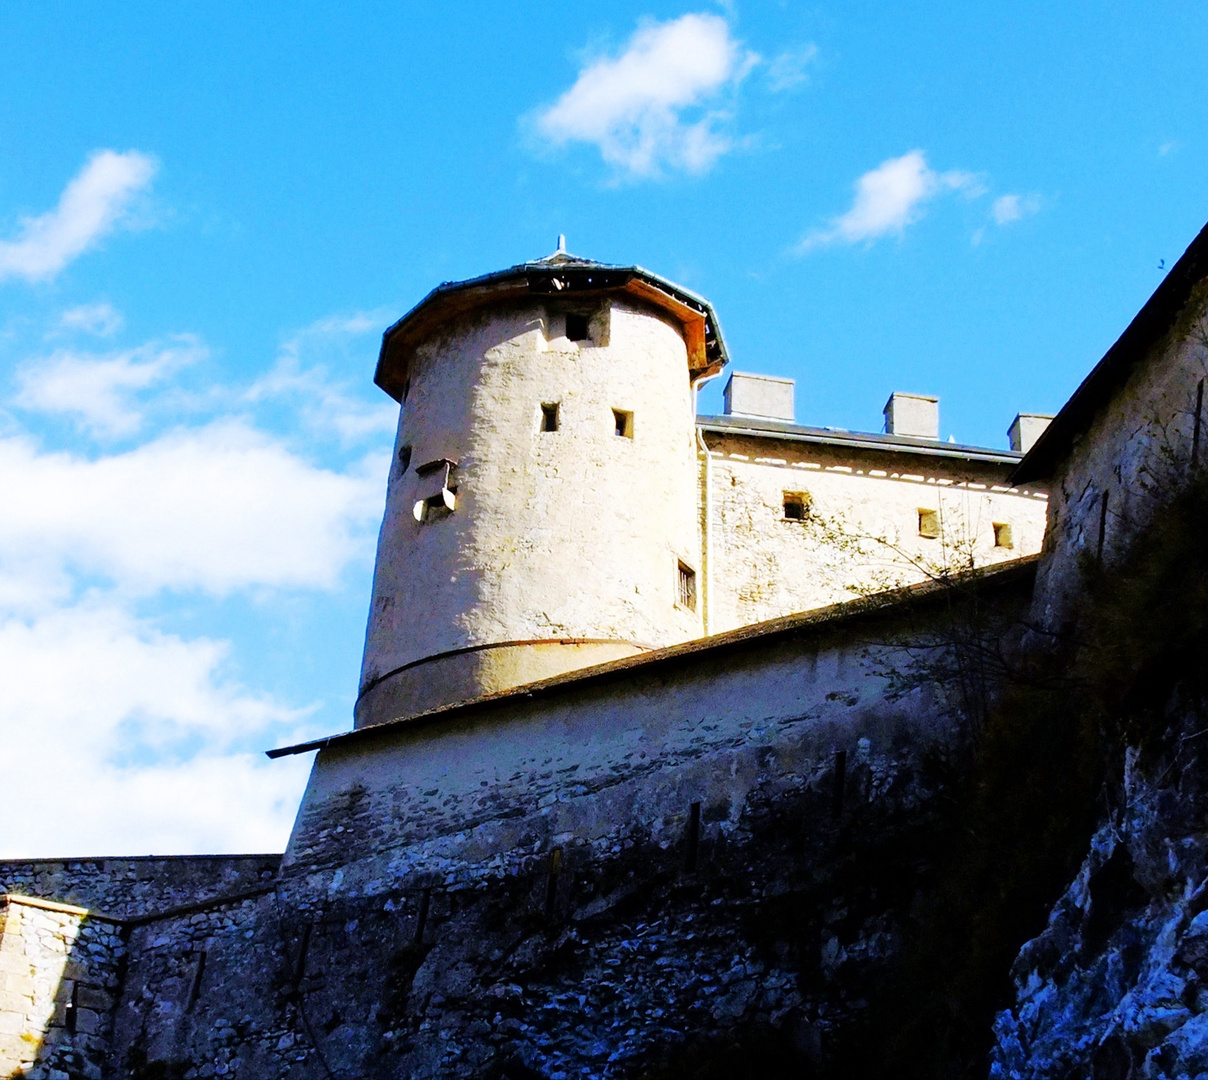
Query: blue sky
x=209, y=213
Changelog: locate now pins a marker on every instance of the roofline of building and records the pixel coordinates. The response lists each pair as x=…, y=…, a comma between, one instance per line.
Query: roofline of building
x=1148, y=327
x=826, y=618
x=561, y=276
x=854, y=440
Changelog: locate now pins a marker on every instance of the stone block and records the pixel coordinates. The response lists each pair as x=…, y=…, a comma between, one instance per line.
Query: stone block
x=88, y=1021
x=75, y=970
x=91, y=997
x=15, y=962
x=12, y=1023
x=18, y=982
x=14, y=1001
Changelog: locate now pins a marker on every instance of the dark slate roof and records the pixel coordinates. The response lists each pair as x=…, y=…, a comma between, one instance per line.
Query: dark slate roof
x=559, y=274
x=758, y=427
x=1148, y=328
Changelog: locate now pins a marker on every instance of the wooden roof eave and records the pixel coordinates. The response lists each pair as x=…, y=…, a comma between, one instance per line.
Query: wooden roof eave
x=401, y=340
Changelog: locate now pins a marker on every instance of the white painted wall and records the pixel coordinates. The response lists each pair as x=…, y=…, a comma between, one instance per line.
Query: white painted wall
x=861, y=534
x=604, y=760
x=569, y=534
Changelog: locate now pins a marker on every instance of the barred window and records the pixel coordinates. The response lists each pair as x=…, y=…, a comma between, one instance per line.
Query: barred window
x=687, y=587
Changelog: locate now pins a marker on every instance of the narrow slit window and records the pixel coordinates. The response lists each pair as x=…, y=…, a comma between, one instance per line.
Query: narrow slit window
x=797, y=505
x=71, y=1010
x=1002, y=536
x=404, y=458
x=623, y=423
x=549, y=416
x=693, y=845
x=929, y=524
x=576, y=327
x=687, y=587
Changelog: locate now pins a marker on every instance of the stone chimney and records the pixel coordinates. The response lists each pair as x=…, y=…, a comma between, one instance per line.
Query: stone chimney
x=1026, y=428
x=915, y=415
x=763, y=397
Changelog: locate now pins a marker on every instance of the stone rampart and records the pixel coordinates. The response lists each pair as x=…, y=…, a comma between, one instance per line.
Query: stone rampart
x=587, y=876
x=129, y=887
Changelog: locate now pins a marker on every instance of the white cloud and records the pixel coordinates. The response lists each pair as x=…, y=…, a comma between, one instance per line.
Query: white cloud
x=219, y=508
x=99, y=390
x=891, y=197
x=133, y=742
x=789, y=69
x=92, y=205
x=102, y=319
x=633, y=106
x=1009, y=208
x=141, y=739
x=301, y=376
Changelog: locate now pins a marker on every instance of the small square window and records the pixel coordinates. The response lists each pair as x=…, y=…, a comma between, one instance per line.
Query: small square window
x=549, y=416
x=623, y=423
x=929, y=524
x=1002, y=536
x=576, y=327
x=797, y=505
x=686, y=595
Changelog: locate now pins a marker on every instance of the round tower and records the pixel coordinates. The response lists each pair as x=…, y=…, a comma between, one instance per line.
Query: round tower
x=541, y=510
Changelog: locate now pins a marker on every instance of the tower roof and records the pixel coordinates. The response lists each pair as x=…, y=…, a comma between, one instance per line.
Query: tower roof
x=559, y=274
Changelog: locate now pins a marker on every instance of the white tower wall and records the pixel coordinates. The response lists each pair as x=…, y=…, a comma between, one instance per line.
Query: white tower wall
x=564, y=547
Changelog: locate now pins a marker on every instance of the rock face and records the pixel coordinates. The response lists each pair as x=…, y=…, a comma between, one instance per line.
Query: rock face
x=1117, y=985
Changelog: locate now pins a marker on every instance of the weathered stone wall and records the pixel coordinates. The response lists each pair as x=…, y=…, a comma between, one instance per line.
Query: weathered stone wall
x=583, y=879
x=583, y=757
x=59, y=976
x=1116, y=986
x=127, y=887
x=62, y=965
x=1135, y=454
x=597, y=970
x=861, y=530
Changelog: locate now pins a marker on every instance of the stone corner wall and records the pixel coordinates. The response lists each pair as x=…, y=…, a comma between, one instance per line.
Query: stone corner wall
x=59, y=975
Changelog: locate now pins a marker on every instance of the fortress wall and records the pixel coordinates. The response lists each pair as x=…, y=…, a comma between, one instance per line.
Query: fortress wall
x=59, y=979
x=518, y=881
x=484, y=788
x=861, y=532
x=126, y=887
x=64, y=934
x=1136, y=453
